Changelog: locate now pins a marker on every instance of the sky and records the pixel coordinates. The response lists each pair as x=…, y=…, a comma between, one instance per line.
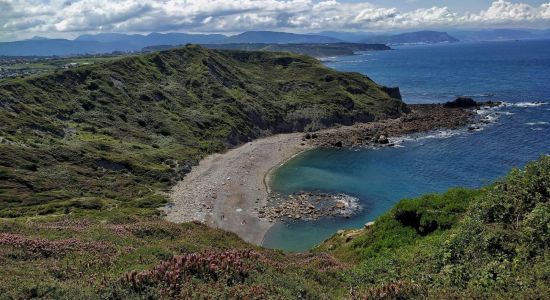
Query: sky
x=20, y=19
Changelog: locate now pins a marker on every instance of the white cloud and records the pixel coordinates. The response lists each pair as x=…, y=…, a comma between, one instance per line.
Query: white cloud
x=19, y=18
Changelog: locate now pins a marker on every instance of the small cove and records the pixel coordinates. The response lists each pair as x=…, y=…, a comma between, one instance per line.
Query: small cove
x=433, y=162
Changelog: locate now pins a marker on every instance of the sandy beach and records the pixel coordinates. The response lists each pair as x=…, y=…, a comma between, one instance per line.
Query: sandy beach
x=224, y=189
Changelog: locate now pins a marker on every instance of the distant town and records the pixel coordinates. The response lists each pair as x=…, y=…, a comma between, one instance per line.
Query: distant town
x=23, y=66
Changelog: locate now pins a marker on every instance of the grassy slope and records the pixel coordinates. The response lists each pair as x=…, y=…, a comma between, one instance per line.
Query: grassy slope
x=114, y=133
x=478, y=244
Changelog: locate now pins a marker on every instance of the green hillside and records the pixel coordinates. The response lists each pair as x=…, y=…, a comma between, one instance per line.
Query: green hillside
x=113, y=134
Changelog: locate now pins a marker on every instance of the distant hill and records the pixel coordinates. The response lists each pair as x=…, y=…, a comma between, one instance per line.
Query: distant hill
x=418, y=37
x=278, y=38
x=315, y=50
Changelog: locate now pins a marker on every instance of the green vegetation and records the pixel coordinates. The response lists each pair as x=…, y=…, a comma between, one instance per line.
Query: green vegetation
x=118, y=132
x=475, y=244
x=87, y=152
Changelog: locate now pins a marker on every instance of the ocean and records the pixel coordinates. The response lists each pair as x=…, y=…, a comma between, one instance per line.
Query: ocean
x=517, y=73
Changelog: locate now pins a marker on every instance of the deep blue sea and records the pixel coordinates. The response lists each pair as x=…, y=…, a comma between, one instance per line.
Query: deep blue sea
x=515, y=72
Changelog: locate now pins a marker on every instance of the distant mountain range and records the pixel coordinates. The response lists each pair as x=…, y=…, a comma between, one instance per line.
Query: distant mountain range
x=352, y=37
x=110, y=42
x=272, y=37
x=101, y=43
x=139, y=41
x=474, y=35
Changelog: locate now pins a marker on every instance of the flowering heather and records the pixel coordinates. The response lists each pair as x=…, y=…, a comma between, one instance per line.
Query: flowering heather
x=77, y=225
x=229, y=267
x=119, y=229
x=47, y=248
x=145, y=229
x=322, y=262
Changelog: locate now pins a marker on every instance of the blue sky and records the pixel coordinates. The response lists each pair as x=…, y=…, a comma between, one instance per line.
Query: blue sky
x=21, y=19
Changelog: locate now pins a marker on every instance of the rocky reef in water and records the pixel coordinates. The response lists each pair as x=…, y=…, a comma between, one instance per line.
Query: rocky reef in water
x=309, y=206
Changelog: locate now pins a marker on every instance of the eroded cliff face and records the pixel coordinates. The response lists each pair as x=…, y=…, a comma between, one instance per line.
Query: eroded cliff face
x=393, y=92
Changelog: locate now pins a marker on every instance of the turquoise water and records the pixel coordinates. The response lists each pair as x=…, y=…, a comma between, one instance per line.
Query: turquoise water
x=515, y=72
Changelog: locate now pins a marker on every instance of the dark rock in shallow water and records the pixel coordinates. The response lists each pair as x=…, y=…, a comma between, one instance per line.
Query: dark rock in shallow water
x=462, y=102
x=383, y=140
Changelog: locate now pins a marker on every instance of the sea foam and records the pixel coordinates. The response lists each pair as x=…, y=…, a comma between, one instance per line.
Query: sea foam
x=525, y=104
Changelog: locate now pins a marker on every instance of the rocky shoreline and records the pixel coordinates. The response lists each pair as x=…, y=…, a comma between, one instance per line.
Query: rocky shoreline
x=421, y=118
x=231, y=190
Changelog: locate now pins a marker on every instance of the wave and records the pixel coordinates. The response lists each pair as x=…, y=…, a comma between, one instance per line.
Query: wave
x=439, y=134
x=353, y=61
x=327, y=59
x=524, y=104
x=483, y=95
x=536, y=123
x=351, y=205
x=486, y=117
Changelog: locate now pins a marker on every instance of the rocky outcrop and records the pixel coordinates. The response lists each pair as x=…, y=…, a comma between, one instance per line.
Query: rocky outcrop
x=462, y=102
x=393, y=92
x=309, y=206
x=422, y=118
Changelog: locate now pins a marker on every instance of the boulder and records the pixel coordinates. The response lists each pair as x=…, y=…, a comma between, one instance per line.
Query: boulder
x=340, y=205
x=462, y=102
x=382, y=139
